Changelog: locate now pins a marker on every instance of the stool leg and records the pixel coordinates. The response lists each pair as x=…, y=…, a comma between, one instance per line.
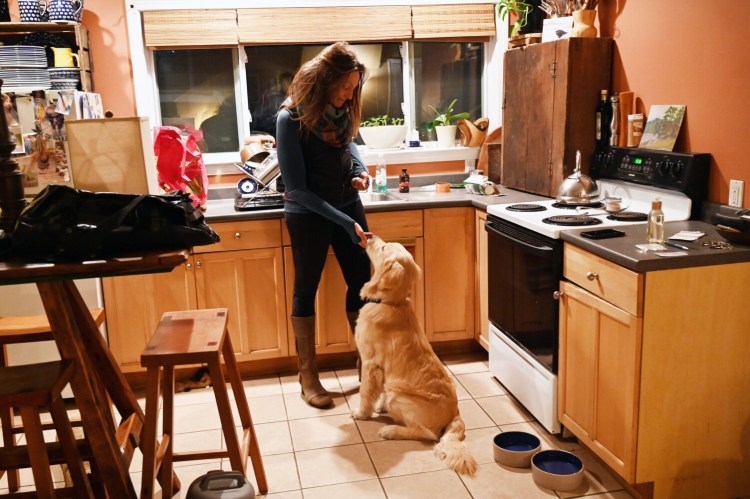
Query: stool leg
x=9, y=439
x=70, y=449
x=243, y=408
x=148, y=445
x=225, y=414
x=32, y=427
x=167, y=431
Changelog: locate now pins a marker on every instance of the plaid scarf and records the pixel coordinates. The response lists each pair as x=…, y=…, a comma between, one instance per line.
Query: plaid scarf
x=334, y=128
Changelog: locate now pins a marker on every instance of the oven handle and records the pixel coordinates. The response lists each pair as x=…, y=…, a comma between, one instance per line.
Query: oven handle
x=536, y=249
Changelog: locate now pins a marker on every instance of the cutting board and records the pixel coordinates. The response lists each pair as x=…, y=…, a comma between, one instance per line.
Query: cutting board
x=494, y=137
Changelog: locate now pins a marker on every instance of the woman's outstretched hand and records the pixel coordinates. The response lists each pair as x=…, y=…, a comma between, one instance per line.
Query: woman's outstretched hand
x=361, y=183
x=363, y=236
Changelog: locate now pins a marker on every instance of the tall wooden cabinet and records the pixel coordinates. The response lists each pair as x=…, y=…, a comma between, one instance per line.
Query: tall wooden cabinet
x=549, y=106
x=652, y=373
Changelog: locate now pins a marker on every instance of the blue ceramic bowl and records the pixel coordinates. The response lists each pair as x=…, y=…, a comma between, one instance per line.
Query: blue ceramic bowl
x=515, y=448
x=557, y=470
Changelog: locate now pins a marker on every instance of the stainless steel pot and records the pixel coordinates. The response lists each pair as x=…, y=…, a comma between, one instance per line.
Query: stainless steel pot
x=577, y=188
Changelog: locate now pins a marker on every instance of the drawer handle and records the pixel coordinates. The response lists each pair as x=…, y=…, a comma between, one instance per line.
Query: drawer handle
x=558, y=294
x=592, y=276
x=237, y=235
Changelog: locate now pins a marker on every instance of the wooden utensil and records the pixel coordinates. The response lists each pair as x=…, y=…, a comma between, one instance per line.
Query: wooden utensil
x=494, y=137
x=626, y=108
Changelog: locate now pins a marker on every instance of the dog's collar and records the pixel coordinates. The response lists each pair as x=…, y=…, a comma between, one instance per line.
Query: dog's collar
x=373, y=300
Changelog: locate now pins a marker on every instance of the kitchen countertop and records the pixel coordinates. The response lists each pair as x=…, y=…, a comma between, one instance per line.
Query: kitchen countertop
x=622, y=250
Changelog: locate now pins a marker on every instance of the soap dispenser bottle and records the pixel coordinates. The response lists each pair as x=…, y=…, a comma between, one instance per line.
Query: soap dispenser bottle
x=656, y=222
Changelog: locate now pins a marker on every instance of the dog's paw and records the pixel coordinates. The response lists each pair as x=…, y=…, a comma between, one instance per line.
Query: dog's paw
x=389, y=432
x=361, y=415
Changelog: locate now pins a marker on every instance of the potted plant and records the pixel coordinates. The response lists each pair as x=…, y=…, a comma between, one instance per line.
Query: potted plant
x=444, y=124
x=519, y=8
x=383, y=132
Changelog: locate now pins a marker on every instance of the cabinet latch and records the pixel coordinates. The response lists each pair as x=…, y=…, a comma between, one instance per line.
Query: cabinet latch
x=553, y=69
x=549, y=169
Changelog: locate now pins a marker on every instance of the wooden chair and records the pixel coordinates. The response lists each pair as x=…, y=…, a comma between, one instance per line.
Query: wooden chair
x=189, y=338
x=30, y=387
x=25, y=329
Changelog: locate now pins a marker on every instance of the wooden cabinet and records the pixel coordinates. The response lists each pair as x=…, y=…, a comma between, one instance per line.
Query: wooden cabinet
x=481, y=317
x=650, y=370
x=244, y=272
x=76, y=36
x=449, y=273
x=549, y=105
x=332, y=329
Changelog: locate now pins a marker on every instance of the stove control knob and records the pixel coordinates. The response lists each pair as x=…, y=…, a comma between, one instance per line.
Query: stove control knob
x=663, y=167
x=678, y=169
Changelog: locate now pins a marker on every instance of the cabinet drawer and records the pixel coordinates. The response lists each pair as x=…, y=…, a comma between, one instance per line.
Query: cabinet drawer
x=617, y=285
x=389, y=225
x=244, y=235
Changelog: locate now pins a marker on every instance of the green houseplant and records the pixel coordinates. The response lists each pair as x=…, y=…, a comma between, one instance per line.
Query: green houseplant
x=382, y=132
x=521, y=10
x=444, y=124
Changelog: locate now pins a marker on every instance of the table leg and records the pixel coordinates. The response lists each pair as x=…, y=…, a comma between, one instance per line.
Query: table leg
x=65, y=310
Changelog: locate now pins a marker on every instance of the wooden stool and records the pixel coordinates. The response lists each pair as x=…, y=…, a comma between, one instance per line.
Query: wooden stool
x=25, y=329
x=30, y=387
x=184, y=338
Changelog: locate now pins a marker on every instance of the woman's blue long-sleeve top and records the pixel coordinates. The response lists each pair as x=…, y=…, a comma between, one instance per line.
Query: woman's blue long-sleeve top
x=317, y=176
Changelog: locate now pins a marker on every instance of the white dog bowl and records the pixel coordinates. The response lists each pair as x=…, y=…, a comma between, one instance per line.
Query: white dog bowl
x=515, y=448
x=557, y=470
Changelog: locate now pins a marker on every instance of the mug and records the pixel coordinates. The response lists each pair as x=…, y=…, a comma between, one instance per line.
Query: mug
x=67, y=11
x=31, y=10
x=64, y=57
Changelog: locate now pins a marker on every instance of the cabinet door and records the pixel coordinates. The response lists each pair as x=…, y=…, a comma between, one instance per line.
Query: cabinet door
x=481, y=319
x=600, y=359
x=135, y=304
x=449, y=273
x=250, y=283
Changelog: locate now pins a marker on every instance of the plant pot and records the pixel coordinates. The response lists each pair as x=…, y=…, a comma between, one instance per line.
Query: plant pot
x=583, y=24
x=383, y=137
x=446, y=135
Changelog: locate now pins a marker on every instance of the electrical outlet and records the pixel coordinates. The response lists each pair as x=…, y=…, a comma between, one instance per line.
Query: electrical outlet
x=736, y=192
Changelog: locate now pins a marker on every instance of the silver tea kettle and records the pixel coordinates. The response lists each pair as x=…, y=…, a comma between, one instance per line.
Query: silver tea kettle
x=577, y=188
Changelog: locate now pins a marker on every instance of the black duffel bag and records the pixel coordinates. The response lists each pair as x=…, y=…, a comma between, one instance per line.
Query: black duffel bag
x=63, y=224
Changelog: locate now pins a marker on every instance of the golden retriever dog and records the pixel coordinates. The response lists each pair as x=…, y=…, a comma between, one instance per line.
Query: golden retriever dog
x=401, y=374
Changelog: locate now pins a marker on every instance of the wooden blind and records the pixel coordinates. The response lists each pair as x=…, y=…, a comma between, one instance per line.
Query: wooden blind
x=175, y=28
x=453, y=21
x=324, y=24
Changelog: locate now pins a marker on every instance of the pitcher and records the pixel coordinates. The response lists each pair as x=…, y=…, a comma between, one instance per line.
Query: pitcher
x=64, y=57
x=65, y=11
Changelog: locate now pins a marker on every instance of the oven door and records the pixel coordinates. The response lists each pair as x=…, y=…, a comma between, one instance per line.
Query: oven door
x=525, y=269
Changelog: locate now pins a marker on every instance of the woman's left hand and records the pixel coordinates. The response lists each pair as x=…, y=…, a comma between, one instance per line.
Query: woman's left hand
x=361, y=183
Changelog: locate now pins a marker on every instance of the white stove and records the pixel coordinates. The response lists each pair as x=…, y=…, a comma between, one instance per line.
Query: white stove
x=636, y=199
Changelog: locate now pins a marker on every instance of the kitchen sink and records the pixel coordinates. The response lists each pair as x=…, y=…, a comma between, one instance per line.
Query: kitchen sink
x=370, y=198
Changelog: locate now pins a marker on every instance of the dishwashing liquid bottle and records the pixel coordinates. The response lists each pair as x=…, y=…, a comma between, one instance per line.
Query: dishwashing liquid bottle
x=381, y=175
x=656, y=222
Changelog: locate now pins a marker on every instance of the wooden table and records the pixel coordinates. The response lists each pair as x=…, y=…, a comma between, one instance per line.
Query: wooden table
x=97, y=375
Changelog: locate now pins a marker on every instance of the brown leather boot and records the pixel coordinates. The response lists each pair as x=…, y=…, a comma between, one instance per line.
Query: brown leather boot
x=352, y=317
x=312, y=391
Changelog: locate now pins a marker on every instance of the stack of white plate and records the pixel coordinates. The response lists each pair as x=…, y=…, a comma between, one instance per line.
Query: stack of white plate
x=23, y=68
x=64, y=78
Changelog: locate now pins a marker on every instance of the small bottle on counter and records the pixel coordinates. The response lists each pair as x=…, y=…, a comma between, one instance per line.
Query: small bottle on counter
x=603, y=119
x=403, y=181
x=381, y=175
x=656, y=222
x=614, y=124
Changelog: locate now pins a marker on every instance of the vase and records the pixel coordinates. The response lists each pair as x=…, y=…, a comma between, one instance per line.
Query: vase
x=446, y=135
x=583, y=24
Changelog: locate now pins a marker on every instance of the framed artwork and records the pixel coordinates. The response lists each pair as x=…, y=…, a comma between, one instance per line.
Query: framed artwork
x=663, y=127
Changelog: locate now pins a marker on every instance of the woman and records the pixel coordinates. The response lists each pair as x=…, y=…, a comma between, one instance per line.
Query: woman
x=322, y=172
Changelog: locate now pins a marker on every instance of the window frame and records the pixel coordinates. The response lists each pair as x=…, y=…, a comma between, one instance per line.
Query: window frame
x=146, y=89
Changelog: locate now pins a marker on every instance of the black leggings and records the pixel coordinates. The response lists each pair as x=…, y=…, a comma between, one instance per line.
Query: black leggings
x=311, y=235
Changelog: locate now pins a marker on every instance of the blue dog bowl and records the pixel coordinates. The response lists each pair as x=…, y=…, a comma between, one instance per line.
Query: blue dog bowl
x=557, y=470
x=515, y=448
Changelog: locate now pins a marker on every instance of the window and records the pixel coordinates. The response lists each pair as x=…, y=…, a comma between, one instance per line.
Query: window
x=197, y=91
x=197, y=87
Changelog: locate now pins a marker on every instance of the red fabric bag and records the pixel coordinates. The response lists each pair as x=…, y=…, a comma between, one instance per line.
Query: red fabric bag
x=180, y=164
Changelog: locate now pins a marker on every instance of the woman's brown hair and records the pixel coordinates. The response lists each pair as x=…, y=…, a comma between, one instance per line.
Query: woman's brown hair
x=310, y=92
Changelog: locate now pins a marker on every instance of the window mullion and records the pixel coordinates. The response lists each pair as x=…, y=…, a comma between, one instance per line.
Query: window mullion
x=407, y=74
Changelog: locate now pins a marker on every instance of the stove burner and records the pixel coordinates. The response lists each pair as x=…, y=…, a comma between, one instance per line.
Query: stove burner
x=628, y=216
x=573, y=206
x=571, y=220
x=525, y=207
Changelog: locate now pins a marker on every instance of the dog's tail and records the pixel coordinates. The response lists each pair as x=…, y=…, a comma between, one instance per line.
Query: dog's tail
x=451, y=449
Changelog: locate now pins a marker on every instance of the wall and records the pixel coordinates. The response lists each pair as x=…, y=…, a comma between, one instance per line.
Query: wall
x=667, y=52
x=680, y=52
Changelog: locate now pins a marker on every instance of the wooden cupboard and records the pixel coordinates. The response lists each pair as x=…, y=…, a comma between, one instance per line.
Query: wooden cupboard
x=481, y=311
x=549, y=105
x=655, y=391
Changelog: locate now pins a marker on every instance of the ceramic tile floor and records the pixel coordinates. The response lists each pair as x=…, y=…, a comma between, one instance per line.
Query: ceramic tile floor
x=311, y=453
